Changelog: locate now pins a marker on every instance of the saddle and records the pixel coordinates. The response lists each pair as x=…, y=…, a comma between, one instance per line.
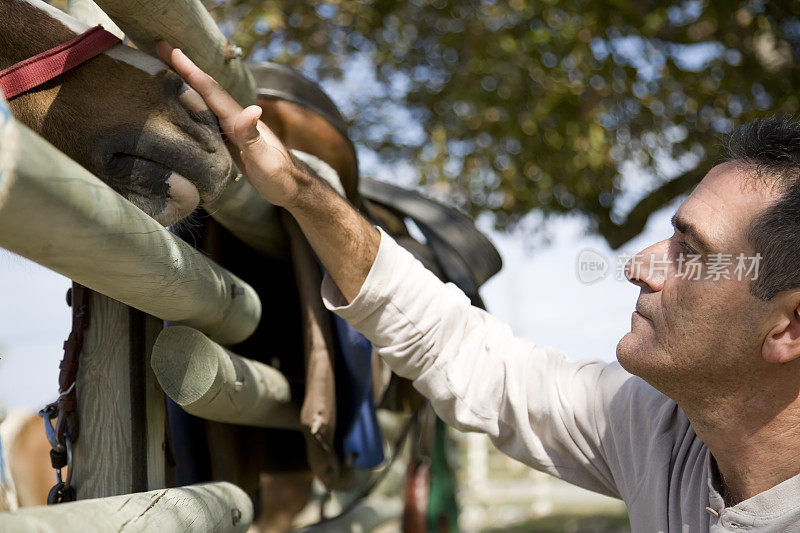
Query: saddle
x=465, y=255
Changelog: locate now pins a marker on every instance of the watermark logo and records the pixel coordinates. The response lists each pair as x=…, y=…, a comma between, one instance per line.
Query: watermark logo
x=591, y=266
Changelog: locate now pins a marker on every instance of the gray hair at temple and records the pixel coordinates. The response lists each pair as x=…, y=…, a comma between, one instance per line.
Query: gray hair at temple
x=771, y=147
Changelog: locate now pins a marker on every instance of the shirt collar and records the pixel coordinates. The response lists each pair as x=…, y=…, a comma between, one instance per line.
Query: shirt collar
x=772, y=503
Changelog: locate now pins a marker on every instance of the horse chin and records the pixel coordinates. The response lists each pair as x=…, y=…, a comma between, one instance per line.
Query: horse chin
x=183, y=199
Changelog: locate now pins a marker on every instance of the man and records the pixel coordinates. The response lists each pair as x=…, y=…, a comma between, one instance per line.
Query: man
x=695, y=428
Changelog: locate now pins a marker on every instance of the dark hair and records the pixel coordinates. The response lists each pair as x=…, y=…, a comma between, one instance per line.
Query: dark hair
x=771, y=147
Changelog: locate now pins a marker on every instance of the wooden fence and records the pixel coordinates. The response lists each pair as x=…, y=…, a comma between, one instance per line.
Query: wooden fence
x=57, y=214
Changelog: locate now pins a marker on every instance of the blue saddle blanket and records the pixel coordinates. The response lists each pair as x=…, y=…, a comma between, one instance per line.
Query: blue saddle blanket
x=358, y=434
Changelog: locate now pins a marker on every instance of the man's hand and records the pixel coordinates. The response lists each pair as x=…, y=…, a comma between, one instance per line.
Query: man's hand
x=342, y=239
x=264, y=160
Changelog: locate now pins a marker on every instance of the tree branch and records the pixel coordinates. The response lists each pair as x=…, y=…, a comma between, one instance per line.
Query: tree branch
x=618, y=234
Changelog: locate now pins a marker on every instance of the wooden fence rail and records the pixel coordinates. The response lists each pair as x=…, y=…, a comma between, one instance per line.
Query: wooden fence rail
x=211, y=507
x=57, y=214
x=211, y=382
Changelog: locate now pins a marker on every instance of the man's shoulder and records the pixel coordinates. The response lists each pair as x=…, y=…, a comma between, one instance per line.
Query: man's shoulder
x=625, y=399
x=611, y=377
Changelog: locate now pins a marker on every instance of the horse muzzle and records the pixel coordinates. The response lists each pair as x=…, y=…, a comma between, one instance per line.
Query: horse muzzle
x=165, y=170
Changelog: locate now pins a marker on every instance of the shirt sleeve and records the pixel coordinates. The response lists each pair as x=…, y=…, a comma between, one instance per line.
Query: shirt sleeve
x=580, y=421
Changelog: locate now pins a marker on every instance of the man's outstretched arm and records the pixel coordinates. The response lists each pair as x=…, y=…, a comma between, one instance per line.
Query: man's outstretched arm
x=586, y=422
x=343, y=240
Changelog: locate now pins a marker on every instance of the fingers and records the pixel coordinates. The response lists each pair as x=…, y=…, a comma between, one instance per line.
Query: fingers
x=164, y=50
x=217, y=98
x=246, y=127
x=253, y=138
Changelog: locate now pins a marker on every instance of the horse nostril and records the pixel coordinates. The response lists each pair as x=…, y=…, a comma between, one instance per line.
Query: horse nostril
x=120, y=164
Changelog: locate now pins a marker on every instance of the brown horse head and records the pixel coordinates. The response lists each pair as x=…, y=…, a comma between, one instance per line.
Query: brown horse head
x=123, y=115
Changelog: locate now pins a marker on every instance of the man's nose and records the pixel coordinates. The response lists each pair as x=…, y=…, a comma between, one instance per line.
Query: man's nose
x=649, y=267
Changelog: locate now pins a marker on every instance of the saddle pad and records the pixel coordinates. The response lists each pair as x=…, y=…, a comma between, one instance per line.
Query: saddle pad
x=466, y=256
x=358, y=434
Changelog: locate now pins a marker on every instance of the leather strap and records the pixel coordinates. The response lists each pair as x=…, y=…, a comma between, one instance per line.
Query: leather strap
x=67, y=422
x=318, y=412
x=41, y=68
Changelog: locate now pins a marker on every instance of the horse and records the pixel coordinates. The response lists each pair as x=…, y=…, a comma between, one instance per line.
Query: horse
x=123, y=115
x=131, y=121
x=24, y=453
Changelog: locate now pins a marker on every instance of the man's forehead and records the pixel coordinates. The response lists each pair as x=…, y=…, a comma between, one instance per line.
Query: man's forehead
x=725, y=202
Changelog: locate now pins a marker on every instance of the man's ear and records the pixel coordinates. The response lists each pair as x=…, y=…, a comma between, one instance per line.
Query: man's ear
x=783, y=342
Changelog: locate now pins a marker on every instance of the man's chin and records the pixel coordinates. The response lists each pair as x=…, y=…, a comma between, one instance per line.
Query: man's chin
x=643, y=359
x=631, y=354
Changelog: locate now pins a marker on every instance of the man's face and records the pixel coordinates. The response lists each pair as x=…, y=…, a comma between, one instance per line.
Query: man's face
x=689, y=332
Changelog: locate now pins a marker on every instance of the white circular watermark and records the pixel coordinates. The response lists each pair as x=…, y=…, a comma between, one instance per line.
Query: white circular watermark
x=591, y=266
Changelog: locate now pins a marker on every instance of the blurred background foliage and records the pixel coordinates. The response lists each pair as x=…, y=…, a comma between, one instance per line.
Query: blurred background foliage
x=518, y=106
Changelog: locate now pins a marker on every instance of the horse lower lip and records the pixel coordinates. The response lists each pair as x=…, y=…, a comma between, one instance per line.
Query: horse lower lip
x=183, y=192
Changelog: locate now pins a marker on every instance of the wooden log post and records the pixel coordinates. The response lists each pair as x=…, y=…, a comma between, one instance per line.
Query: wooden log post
x=209, y=381
x=90, y=13
x=206, y=508
x=186, y=24
x=121, y=409
x=253, y=220
x=123, y=442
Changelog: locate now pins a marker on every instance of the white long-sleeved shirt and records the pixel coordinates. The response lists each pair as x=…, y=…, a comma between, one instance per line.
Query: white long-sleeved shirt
x=589, y=423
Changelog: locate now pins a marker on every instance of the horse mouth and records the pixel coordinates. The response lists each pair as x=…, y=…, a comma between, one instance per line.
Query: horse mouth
x=183, y=199
x=167, y=192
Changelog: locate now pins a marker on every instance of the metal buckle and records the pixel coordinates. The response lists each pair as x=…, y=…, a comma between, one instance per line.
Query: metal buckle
x=62, y=491
x=48, y=414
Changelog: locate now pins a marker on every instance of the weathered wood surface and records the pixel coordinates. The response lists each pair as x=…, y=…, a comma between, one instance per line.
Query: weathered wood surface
x=121, y=410
x=253, y=220
x=90, y=13
x=211, y=507
x=211, y=382
x=102, y=464
x=107, y=244
x=155, y=410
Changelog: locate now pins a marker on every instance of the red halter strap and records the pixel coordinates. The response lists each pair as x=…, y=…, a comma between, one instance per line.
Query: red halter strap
x=34, y=71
